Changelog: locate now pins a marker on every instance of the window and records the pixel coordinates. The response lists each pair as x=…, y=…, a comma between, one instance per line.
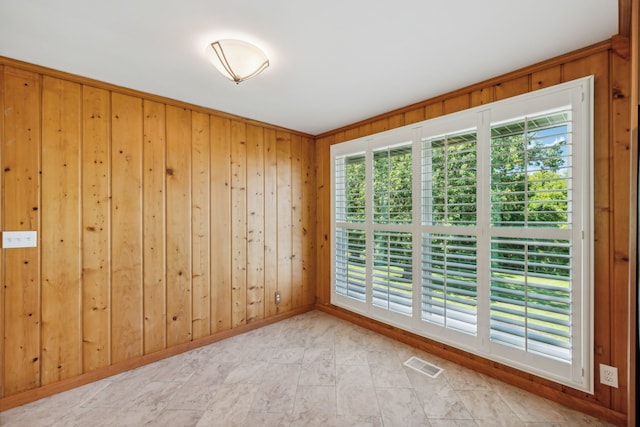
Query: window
x=474, y=229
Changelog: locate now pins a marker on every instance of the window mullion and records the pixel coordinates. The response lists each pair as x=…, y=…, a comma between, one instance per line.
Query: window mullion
x=416, y=225
x=483, y=197
x=368, y=224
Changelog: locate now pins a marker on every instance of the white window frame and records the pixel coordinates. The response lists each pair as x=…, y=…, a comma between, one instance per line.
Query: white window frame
x=578, y=94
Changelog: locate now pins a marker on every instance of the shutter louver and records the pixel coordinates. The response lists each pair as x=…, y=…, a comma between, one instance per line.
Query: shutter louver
x=392, y=185
x=449, y=179
x=530, y=181
x=475, y=229
x=449, y=281
x=351, y=263
x=392, y=271
x=531, y=295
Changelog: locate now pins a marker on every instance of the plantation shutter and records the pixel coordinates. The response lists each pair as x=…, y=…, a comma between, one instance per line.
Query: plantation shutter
x=450, y=179
x=392, y=271
x=531, y=188
x=350, y=243
x=531, y=295
x=351, y=263
x=392, y=249
x=475, y=229
x=449, y=278
x=392, y=185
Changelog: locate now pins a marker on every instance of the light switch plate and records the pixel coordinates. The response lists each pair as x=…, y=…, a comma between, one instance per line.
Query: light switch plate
x=19, y=239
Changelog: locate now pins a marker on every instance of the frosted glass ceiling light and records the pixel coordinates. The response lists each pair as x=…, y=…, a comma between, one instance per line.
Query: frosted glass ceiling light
x=237, y=60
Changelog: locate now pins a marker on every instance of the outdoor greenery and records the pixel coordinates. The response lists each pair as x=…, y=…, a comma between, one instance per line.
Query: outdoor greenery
x=529, y=187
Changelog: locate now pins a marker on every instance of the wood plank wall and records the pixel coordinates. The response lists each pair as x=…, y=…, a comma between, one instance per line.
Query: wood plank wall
x=158, y=224
x=612, y=203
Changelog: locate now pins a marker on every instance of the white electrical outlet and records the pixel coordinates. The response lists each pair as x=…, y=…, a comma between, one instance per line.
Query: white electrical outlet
x=609, y=375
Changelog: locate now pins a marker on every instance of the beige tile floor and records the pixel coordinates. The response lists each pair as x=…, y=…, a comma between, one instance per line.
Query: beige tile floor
x=309, y=370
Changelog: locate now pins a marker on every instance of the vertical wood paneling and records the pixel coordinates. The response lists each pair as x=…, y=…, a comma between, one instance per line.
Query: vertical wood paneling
x=149, y=236
x=547, y=77
x=285, y=250
x=178, y=225
x=620, y=107
x=395, y=121
x=415, y=115
x=598, y=66
x=96, y=142
x=434, y=110
x=255, y=224
x=611, y=205
x=238, y=224
x=126, y=227
x=512, y=87
x=20, y=156
x=353, y=133
x=60, y=233
x=457, y=103
x=220, y=224
x=297, y=210
x=2, y=297
x=154, y=222
x=200, y=220
x=323, y=222
x=380, y=125
x=364, y=129
x=308, y=222
x=123, y=205
x=482, y=96
x=270, y=220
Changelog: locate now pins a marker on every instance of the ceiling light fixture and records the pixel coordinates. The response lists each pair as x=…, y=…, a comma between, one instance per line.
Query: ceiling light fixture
x=236, y=59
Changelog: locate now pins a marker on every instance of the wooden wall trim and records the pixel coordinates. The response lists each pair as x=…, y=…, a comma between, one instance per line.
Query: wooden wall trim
x=132, y=92
x=632, y=402
x=108, y=371
x=538, y=386
x=148, y=236
x=625, y=17
x=614, y=316
x=465, y=91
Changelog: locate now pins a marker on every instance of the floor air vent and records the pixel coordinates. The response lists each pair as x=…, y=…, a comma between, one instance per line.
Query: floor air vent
x=424, y=367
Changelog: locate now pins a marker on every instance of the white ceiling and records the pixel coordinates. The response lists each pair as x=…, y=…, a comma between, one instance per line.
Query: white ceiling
x=333, y=62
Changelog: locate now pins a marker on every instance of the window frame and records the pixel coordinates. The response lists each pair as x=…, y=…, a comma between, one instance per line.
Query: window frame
x=579, y=373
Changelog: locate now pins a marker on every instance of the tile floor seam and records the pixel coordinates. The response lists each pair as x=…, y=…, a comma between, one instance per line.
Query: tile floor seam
x=315, y=339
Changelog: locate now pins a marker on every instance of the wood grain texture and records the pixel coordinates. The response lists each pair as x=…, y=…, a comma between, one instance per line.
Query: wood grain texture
x=545, y=78
x=21, y=179
x=60, y=230
x=200, y=224
x=308, y=221
x=154, y=280
x=116, y=205
x=611, y=205
x=178, y=176
x=620, y=184
x=2, y=293
x=512, y=87
x=96, y=291
x=238, y=224
x=270, y=221
x=297, y=232
x=126, y=227
x=146, y=245
x=598, y=66
x=323, y=219
x=284, y=202
x=220, y=224
x=255, y=224
x=482, y=96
